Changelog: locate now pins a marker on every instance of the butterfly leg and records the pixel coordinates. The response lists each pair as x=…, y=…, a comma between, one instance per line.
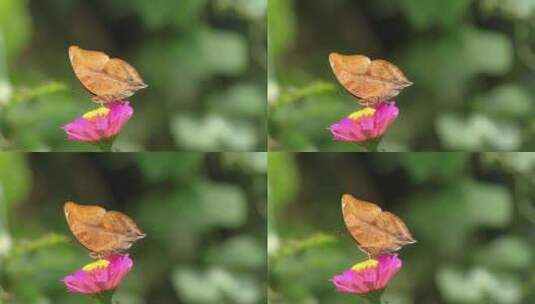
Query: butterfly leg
x=365, y=251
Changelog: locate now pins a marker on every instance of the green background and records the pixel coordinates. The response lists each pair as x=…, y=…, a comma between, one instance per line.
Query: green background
x=204, y=216
x=204, y=62
x=471, y=62
x=472, y=214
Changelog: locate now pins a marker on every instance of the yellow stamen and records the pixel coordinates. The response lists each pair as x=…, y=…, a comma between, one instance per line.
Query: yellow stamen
x=365, y=265
x=360, y=113
x=102, y=111
x=96, y=265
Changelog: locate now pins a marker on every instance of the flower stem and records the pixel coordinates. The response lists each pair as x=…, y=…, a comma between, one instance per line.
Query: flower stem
x=374, y=297
x=105, y=145
x=371, y=145
x=105, y=297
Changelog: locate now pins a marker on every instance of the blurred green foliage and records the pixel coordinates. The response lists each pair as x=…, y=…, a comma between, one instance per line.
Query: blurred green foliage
x=204, y=215
x=471, y=62
x=204, y=61
x=472, y=214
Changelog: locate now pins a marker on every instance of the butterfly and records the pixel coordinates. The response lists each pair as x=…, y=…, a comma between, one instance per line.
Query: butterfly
x=106, y=79
x=377, y=232
x=371, y=81
x=102, y=232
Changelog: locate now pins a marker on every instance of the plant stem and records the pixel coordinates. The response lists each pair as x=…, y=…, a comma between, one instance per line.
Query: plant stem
x=374, y=297
x=298, y=94
x=105, y=145
x=371, y=145
x=105, y=297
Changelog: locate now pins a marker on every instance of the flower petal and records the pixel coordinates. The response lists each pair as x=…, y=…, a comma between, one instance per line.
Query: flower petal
x=369, y=279
x=366, y=127
x=100, y=279
x=100, y=128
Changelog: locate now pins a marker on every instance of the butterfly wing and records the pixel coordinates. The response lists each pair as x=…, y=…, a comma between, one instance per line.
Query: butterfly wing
x=390, y=76
x=101, y=232
x=388, y=72
x=396, y=228
x=85, y=58
x=358, y=216
x=124, y=229
x=87, y=66
x=350, y=72
x=84, y=222
x=370, y=81
x=107, y=79
x=123, y=78
x=376, y=232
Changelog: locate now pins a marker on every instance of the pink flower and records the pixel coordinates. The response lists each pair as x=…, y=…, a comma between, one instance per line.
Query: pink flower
x=366, y=124
x=368, y=276
x=99, y=276
x=101, y=124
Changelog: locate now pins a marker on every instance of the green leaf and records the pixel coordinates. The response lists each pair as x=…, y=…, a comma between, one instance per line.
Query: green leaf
x=5, y=86
x=187, y=60
x=456, y=57
x=282, y=25
x=215, y=285
x=239, y=253
x=283, y=180
x=5, y=238
x=477, y=286
x=28, y=94
x=295, y=247
x=508, y=100
x=293, y=95
x=160, y=166
x=424, y=14
x=222, y=205
x=476, y=133
x=157, y=14
x=241, y=100
x=251, y=9
x=496, y=47
x=195, y=287
x=445, y=54
x=30, y=246
x=488, y=205
x=178, y=218
x=457, y=211
x=213, y=133
x=225, y=52
x=423, y=166
x=519, y=9
x=520, y=162
x=505, y=253
x=248, y=162
x=15, y=178
x=15, y=25
x=237, y=288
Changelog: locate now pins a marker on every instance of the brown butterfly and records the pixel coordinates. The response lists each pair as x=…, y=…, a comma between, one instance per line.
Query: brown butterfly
x=371, y=81
x=377, y=232
x=106, y=79
x=102, y=232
